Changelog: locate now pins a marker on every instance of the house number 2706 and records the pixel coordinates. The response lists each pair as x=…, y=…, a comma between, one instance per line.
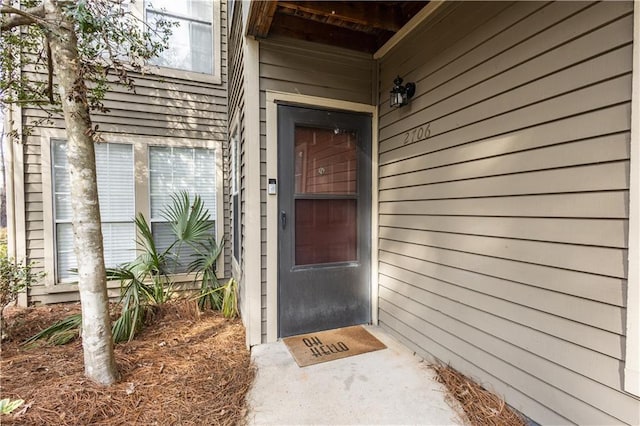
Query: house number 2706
x=417, y=134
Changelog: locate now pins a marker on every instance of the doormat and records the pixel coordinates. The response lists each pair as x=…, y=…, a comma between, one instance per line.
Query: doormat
x=323, y=346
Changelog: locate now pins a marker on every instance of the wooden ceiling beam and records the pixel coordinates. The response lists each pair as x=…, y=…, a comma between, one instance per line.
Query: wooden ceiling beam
x=366, y=13
x=292, y=26
x=261, y=18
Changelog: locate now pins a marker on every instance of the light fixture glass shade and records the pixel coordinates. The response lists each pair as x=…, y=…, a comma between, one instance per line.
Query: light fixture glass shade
x=396, y=99
x=400, y=94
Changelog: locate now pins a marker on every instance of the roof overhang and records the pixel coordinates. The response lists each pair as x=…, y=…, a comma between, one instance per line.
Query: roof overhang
x=366, y=26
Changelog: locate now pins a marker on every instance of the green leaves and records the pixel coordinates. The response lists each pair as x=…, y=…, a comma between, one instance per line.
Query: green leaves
x=150, y=262
x=146, y=281
x=205, y=266
x=190, y=222
x=226, y=297
x=7, y=406
x=15, y=277
x=61, y=332
x=135, y=297
x=144, y=284
x=230, y=299
x=112, y=42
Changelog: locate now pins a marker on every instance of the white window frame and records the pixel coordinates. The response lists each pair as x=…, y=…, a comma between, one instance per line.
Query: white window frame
x=138, y=10
x=141, y=146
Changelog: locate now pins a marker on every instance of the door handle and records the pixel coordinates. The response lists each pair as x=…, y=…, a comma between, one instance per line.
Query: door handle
x=283, y=219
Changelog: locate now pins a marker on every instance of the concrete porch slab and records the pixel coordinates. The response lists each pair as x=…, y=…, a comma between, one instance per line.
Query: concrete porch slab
x=389, y=386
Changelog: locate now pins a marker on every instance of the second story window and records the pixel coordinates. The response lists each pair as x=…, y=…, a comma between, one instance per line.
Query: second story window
x=191, y=45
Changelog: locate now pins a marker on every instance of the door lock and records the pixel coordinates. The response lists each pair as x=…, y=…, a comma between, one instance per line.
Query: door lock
x=283, y=219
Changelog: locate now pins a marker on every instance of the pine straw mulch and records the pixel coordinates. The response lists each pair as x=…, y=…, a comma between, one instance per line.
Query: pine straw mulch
x=475, y=405
x=184, y=368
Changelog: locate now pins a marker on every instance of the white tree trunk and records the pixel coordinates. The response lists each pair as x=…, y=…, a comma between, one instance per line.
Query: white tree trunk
x=99, y=361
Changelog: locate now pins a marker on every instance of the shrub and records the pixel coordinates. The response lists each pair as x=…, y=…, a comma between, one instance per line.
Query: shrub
x=15, y=277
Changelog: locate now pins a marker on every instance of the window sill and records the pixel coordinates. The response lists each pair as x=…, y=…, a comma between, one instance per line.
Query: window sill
x=184, y=75
x=67, y=286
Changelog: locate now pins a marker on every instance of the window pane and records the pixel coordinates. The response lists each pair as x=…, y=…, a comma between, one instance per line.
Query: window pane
x=163, y=236
x=190, y=45
x=64, y=250
x=236, y=226
x=199, y=9
x=172, y=170
x=201, y=48
x=235, y=195
x=325, y=162
x=61, y=188
x=114, y=167
x=326, y=231
x=118, y=241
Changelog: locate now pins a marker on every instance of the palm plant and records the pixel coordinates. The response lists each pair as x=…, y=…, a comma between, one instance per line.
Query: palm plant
x=61, y=332
x=190, y=223
x=136, y=300
x=230, y=299
x=146, y=283
x=205, y=266
x=193, y=228
x=151, y=262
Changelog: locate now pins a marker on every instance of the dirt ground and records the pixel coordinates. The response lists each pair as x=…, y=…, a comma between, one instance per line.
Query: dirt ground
x=184, y=368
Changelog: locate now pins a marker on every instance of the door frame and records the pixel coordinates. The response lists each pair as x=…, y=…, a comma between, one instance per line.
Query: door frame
x=271, y=249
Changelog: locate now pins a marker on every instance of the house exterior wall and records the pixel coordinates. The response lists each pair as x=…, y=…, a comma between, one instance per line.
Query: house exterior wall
x=237, y=124
x=162, y=107
x=292, y=66
x=504, y=202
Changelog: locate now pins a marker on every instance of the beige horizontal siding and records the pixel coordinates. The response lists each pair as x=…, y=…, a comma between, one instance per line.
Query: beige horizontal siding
x=603, y=232
x=606, y=93
x=545, y=358
x=236, y=109
x=160, y=106
x=489, y=355
x=501, y=298
x=503, y=231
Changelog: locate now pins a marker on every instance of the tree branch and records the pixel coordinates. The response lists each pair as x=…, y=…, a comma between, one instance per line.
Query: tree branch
x=49, y=69
x=18, y=17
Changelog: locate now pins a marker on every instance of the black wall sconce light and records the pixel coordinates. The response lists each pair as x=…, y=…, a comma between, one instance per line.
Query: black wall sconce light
x=400, y=94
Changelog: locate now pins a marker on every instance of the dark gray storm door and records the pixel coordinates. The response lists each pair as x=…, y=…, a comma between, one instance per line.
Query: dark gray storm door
x=324, y=183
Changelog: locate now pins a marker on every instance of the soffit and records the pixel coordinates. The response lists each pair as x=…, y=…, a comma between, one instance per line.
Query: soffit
x=364, y=26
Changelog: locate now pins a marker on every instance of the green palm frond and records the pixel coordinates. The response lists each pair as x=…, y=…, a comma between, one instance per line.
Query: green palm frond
x=209, y=298
x=8, y=406
x=206, y=255
x=150, y=261
x=230, y=299
x=190, y=222
x=136, y=299
x=205, y=267
x=61, y=332
x=145, y=282
x=225, y=297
